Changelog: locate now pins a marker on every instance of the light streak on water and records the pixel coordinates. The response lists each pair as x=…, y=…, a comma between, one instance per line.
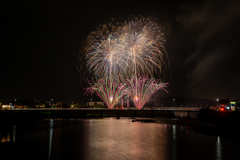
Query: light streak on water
x=51, y=123
x=218, y=149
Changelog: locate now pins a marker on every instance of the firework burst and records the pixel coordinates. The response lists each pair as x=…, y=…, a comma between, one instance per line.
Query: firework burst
x=144, y=45
x=120, y=50
x=124, y=49
x=141, y=88
x=109, y=90
x=104, y=52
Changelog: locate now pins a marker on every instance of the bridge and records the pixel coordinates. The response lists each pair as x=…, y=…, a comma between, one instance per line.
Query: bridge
x=100, y=113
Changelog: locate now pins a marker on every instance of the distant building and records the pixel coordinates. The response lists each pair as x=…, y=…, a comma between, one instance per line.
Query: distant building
x=18, y=106
x=6, y=106
x=66, y=104
x=92, y=103
x=50, y=103
x=234, y=105
x=59, y=104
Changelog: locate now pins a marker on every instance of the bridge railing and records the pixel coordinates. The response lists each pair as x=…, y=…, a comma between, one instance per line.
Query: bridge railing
x=130, y=108
x=176, y=108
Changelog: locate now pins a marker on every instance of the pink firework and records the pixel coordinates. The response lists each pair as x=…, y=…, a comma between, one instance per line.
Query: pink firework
x=109, y=90
x=141, y=88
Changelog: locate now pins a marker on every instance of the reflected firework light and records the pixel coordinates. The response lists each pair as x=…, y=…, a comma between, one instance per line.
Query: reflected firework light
x=109, y=90
x=141, y=88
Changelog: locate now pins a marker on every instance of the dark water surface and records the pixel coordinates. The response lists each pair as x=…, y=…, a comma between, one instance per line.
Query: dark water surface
x=107, y=139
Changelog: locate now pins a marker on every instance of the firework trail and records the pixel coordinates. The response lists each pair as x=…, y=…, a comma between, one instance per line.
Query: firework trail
x=109, y=90
x=141, y=88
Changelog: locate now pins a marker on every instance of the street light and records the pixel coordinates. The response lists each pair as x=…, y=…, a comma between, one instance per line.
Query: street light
x=217, y=101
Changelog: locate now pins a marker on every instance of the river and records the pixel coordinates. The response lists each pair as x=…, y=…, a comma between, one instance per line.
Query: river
x=110, y=138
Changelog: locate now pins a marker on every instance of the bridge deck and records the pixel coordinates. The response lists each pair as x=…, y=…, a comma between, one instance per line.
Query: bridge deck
x=91, y=113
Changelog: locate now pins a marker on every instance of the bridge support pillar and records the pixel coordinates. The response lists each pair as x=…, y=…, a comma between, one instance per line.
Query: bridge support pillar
x=171, y=114
x=188, y=115
x=52, y=114
x=101, y=114
x=68, y=114
x=118, y=116
x=84, y=114
x=152, y=114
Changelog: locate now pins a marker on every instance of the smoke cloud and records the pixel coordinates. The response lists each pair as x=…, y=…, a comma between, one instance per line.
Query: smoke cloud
x=216, y=25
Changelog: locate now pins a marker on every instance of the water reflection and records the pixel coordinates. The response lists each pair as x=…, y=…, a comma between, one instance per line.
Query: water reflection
x=9, y=136
x=5, y=138
x=14, y=132
x=55, y=137
x=174, y=143
x=114, y=139
x=218, y=149
x=51, y=122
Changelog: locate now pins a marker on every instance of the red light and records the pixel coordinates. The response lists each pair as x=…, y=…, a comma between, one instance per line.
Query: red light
x=221, y=109
x=223, y=105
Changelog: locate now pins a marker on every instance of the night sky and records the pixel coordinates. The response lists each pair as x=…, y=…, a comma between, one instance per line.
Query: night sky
x=40, y=42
